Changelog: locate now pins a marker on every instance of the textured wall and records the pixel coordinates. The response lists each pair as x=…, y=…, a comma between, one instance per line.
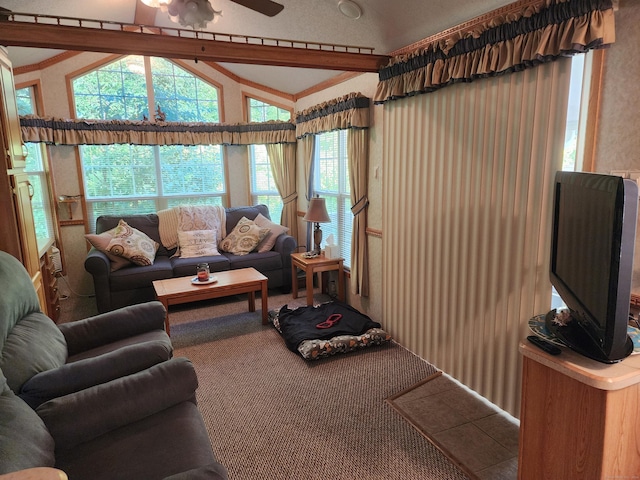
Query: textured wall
x=618, y=142
x=618, y=146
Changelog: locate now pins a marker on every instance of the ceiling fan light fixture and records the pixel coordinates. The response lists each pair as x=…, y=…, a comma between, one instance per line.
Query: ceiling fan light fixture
x=350, y=9
x=192, y=13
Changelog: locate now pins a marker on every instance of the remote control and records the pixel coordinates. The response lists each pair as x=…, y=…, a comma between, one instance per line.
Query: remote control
x=544, y=345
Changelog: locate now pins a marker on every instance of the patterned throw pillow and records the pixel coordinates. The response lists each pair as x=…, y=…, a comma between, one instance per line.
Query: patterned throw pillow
x=275, y=230
x=244, y=238
x=197, y=243
x=101, y=242
x=316, y=349
x=202, y=217
x=133, y=245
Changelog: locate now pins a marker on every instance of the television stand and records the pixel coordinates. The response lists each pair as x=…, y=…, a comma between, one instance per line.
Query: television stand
x=579, y=418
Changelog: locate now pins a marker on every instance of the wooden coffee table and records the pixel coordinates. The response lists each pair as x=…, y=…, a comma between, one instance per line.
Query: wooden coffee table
x=173, y=291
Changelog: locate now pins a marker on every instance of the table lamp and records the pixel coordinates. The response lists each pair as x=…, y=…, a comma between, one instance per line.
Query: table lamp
x=317, y=213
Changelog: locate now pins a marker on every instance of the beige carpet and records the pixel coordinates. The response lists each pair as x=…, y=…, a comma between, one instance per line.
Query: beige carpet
x=272, y=415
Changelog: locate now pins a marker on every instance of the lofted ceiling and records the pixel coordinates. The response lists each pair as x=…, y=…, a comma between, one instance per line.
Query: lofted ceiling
x=384, y=25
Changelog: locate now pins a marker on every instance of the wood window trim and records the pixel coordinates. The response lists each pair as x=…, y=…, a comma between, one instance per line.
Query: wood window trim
x=245, y=104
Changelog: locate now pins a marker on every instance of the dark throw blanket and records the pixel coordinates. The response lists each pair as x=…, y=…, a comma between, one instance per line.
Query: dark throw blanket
x=300, y=324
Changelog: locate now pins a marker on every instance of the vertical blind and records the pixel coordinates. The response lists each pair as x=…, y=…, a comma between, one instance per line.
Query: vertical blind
x=466, y=217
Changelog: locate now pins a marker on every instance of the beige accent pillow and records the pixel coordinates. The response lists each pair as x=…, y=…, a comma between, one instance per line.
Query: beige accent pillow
x=244, y=238
x=101, y=241
x=275, y=230
x=168, y=227
x=202, y=217
x=197, y=243
x=132, y=244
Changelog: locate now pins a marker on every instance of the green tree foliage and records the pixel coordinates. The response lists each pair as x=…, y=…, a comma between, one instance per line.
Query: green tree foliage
x=116, y=91
x=138, y=178
x=263, y=186
x=181, y=95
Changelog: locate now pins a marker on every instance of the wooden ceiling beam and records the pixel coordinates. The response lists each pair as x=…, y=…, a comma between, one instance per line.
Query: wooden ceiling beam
x=40, y=35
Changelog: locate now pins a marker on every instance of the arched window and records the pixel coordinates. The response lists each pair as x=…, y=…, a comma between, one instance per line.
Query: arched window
x=123, y=178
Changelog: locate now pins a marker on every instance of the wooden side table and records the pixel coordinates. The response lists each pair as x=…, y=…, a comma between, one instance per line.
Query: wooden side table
x=312, y=265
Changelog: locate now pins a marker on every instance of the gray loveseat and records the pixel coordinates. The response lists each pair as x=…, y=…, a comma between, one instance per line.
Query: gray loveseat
x=133, y=284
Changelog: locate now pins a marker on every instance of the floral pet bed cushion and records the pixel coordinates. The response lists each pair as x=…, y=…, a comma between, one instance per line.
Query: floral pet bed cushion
x=326, y=329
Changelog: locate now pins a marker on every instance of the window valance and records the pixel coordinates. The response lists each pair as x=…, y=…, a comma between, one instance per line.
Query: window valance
x=104, y=132
x=349, y=111
x=539, y=33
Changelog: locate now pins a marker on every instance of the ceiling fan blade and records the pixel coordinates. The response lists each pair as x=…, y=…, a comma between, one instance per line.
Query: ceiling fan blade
x=266, y=7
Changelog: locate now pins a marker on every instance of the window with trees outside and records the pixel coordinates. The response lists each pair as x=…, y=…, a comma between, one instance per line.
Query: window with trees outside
x=124, y=179
x=573, y=139
x=36, y=168
x=263, y=186
x=331, y=181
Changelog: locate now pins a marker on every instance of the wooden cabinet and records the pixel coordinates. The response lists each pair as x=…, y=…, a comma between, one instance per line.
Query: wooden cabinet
x=9, y=235
x=12, y=146
x=580, y=419
x=50, y=286
x=18, y=232
x=23, y=192
x=38, y=285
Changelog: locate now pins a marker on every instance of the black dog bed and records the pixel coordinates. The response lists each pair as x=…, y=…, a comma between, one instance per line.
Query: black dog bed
x=327, y=329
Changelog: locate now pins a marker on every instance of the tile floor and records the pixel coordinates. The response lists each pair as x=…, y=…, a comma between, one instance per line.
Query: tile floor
x=471, y=431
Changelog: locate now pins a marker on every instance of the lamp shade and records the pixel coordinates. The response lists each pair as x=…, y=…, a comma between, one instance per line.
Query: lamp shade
x=317, y=211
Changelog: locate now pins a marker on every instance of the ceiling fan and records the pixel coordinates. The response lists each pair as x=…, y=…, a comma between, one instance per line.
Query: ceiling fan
x=266, y=7
x=197, y=13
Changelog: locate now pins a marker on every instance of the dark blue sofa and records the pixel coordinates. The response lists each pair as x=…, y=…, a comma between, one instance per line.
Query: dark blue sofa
x=133, y=284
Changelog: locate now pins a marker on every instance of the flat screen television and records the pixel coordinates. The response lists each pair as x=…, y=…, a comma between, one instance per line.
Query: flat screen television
x=592, y=246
